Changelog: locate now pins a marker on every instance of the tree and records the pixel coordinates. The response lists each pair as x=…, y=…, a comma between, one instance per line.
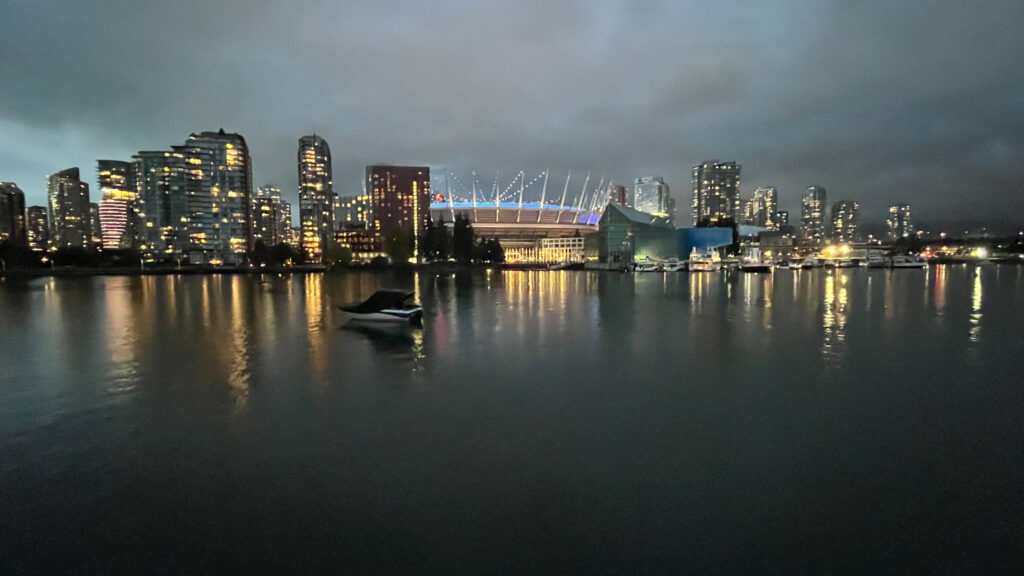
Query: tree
x=260, y=255
x=17, y=256
x=435, y=241
x=462, y=240
x=490, y=250
x=337, y=255
x=399, y=245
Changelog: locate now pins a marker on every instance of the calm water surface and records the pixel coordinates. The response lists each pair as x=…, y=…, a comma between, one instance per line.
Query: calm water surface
x=850, y=421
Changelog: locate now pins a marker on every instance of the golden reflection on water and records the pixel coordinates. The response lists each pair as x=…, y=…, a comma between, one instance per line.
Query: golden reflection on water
x=834, y=319
x=238, y=373
x=975, y=322
x=318, y=352
x=939, y=288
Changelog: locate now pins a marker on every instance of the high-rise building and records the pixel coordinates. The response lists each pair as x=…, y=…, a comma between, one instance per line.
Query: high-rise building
x=812, y=216
x=38, y=228
x=650, y=195
x=271, y=224
x=70, y=220
x=164, y=180
x=225, y=235
x=353, y=211
x=316, y=195
x=196, y=199
x=716, y=192
x=12, y=214
x=96, y=237
x=845, y=221
x=899, y=221
x=117, y=206
x=762, y=210
x=401, y=201
x=783, y=218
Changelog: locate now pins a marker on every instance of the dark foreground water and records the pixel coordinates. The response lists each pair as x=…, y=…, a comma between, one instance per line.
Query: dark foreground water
x=851, y=421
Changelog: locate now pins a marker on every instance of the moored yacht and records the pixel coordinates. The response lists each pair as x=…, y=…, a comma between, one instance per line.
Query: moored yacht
x=908, y=261
x=753, y=261
x=704, y=260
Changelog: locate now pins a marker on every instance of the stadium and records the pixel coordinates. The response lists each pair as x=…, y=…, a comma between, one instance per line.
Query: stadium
x=535, y=224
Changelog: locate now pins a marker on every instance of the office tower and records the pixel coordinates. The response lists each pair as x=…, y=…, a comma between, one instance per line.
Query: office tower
x=12, y=214
x=716, y=192
x=69, y=217
x=221, y=215
x=783, y=218
x=285, y=230
x=650, y=195
x=400, y=198
x=38, y=229
x=845, y=221
x=316, y=195
x=812, y=216
x=899, y=221
x=117, y=207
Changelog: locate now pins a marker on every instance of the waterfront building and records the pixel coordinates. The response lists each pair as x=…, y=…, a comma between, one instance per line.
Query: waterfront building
x=316, y=195
x=363, y=243
x=899, y=221
x=221, y=231
x=625, y=235
x=68, y=205
x=400, y=197
x=164, y=180
x=716, y=192
x=271, y=217
x=812, y=216
x=117, y=207
x=651, y=195
x=845, y=221
x=13, y=226
x=38, y=229
x=762, y=209
x=353, y=211
x=96, y=237
x=196, y=200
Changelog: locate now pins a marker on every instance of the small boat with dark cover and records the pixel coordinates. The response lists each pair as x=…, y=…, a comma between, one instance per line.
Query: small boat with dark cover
x=385, y=306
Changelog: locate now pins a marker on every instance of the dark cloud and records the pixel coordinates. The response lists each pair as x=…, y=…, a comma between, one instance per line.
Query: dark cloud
x=879, y=102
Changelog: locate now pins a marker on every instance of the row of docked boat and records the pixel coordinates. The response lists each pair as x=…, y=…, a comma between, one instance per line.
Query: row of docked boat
x=753, y=260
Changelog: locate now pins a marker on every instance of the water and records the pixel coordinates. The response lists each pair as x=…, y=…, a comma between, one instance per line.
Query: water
x=849, y=421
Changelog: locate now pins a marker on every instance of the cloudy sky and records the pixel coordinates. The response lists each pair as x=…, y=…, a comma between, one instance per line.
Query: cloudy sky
x=877, y=101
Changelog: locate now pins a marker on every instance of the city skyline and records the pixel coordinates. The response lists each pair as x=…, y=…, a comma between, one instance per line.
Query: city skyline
x=938, y=126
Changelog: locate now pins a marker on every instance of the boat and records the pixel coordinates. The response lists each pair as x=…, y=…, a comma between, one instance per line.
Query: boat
x=671, y=265
x=794, y=265
x=385, y=306
x=646, y=265
x=877, y=261
x=908, y=261
x=812, y=262
x=704, y=260
x=753, y=261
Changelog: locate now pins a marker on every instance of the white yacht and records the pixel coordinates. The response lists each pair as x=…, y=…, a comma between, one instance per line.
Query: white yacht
x=704, y=260
x=877, y=261
x=908, y=261
x=646, y=265
x=753, y=261
x=671, y=265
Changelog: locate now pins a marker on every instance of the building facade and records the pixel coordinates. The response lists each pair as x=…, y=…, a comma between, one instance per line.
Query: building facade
x=845, y=221
x=38, y=229
x=762, y=210
x=353, y=211
x=117, y=206
x=271, y=217
x=400, y=197
x=68, y=210
x=195, y=200
x=13, y=224
x=316, y=195
x=812, y=217
x=899, y=221
x=716, y=192
x=651, y=195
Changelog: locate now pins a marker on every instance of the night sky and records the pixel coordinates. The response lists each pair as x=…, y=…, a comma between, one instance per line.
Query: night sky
x=877, y=101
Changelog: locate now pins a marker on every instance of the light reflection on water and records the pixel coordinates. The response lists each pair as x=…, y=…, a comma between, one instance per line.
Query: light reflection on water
x=649, y=402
